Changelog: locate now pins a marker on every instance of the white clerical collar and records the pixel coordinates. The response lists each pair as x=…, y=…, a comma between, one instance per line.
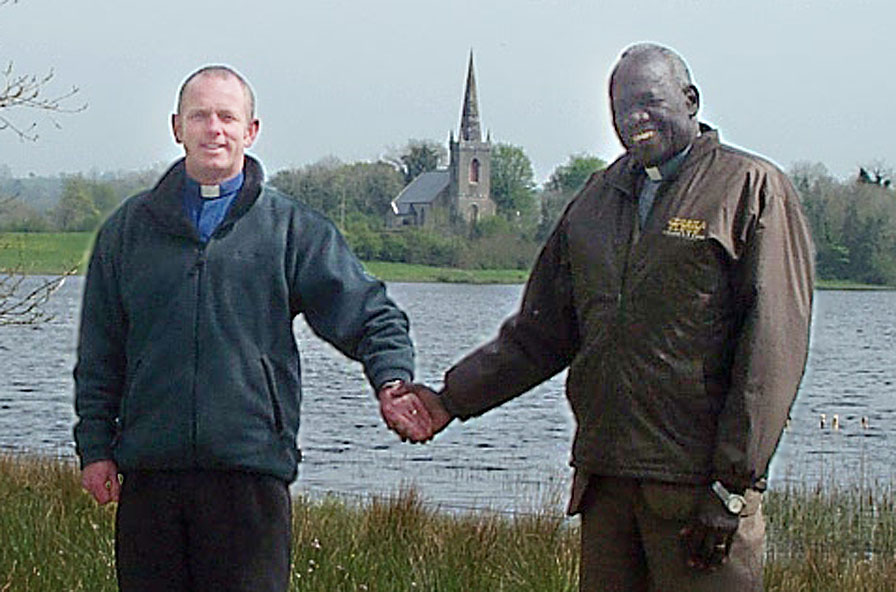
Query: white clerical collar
x=214, y=191
x=210, y=191
x=669, y=169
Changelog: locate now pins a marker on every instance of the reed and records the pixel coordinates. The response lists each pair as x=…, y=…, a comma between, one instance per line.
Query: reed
x=54, y=538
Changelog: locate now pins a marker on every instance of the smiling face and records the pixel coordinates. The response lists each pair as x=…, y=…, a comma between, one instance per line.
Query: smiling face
x=215, y=126
x=654, y=110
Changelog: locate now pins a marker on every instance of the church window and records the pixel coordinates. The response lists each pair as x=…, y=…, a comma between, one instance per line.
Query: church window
x=474, y=171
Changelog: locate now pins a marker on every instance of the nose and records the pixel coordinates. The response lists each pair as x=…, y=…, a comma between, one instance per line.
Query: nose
x=214, y=123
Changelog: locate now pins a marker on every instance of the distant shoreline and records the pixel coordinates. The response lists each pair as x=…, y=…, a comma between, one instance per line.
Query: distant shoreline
x=48, y=253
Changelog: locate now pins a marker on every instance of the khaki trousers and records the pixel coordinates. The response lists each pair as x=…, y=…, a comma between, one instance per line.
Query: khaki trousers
x=630, y=539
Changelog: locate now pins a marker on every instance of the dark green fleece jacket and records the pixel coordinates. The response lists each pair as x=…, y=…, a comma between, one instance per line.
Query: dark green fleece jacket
x=186, y=352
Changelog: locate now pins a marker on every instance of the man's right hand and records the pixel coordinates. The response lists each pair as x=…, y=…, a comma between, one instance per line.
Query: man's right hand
x=437, y=413
x=100, y=479
x=418, y=395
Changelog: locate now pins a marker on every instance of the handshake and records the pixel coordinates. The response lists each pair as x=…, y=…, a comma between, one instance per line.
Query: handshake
x=413, y=411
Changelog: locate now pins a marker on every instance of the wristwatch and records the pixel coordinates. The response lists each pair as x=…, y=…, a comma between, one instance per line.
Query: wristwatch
x=734, y=502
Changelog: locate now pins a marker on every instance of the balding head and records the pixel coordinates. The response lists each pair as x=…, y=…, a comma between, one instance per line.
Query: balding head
x=677, y=66
x=220, y=71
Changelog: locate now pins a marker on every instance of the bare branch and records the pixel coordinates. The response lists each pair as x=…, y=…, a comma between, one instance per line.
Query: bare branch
x=23, y=305
x=21, y=298
x=27, y=91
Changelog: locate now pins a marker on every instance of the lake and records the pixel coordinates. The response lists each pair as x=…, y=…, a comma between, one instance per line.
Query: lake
x=513, y=458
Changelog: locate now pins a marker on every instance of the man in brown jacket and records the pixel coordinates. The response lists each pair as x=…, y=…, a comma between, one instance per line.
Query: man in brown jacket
x=677, y=290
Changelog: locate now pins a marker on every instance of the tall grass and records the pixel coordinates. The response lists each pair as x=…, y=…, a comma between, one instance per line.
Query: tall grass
x=831, y=537
x=54, y=538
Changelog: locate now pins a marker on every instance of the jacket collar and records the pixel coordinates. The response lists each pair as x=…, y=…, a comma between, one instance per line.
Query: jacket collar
x=165, y=201
x=624, y=173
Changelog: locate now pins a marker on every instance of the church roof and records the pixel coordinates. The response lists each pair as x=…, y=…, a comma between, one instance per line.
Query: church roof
x=425, y=188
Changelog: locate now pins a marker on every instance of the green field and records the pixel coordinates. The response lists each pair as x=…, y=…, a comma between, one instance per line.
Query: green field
x=52, y=253
x=56, y=253
x=54, y=538
x=44, y=252
x=404, y=272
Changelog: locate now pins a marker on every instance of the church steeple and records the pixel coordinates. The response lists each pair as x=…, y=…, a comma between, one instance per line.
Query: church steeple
x=469, y=119
x=470, y=165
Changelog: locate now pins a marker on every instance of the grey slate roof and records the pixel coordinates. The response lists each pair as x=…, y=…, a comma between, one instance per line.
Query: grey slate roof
x=425, y=188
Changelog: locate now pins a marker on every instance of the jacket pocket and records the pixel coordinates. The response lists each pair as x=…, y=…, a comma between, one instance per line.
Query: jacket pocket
x=271, y=381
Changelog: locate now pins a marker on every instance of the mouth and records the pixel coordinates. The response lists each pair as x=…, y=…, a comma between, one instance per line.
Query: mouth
x=643, y=136
x=212, y=147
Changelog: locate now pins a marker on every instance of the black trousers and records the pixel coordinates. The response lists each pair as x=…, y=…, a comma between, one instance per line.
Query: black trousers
x=190, y=531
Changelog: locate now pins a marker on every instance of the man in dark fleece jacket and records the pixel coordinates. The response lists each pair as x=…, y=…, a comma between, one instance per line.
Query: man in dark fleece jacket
x=187, y=384
x=677, y=290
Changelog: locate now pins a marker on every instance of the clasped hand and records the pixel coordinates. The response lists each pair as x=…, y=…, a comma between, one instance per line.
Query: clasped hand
x=707, y=539
x=413, y=411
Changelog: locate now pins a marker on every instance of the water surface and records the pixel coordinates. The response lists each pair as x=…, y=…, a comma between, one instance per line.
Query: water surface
x=513, y=458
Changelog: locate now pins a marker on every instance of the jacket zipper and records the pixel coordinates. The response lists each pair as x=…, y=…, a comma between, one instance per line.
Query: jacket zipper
x=199, y=268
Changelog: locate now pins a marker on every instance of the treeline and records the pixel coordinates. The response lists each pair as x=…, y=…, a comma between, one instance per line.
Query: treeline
x=853, y=221
x=358, y=196
x=67, y=203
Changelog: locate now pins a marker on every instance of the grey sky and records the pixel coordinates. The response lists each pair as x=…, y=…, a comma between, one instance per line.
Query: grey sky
x=793, y=80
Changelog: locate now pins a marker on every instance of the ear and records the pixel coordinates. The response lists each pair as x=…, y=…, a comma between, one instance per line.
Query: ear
x=175, y=128
x=692, y=95
x=251, y=133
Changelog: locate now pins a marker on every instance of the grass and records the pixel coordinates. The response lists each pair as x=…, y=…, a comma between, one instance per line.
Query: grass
x=831, y=538
x=56, y=253
x=44, y=252
x=406, y=272
x=54, y=538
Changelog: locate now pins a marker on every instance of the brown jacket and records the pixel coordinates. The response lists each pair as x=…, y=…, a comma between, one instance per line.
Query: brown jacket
x=685, y=340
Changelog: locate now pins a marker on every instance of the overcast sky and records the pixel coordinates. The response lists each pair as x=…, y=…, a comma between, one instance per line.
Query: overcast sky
x=793, y=80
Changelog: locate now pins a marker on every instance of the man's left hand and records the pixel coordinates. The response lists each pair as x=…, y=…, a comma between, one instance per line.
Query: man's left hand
x=404, y=413
x=707, y=539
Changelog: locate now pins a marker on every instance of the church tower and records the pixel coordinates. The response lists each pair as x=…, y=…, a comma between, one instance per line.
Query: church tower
x=470, y=166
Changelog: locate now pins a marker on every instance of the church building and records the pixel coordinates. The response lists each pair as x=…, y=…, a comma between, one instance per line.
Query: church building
x=462, y=191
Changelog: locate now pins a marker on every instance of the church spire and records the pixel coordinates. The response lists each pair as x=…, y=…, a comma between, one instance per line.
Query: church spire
x=469, y=120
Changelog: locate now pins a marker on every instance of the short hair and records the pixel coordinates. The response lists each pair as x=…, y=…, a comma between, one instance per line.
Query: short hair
x=676, y=63
x=222, y=72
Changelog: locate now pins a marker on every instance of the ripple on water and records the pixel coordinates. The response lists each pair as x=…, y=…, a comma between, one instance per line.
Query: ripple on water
x=507, y=457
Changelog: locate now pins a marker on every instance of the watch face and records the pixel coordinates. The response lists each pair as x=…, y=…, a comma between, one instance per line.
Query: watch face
x=736, y=504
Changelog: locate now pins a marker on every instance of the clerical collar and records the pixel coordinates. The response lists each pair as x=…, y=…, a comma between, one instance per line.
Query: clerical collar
x=669, y=169
x=228, y=187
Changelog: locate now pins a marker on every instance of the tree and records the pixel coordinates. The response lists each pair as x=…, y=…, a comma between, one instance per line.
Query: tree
x=562, y=185
x=21, y=299
x=83, y=203
x=852, y=223
x=570, y=177
x=512, y=181
x=343, y=191
x=876, y=173
x=28, y=92
x=418, y=156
